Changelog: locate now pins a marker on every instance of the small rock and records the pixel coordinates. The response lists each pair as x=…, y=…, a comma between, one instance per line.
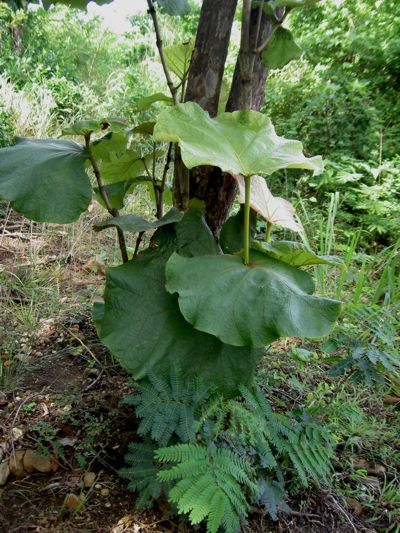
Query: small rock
x=88, y=479
x=355, y=505
x=17, y=433
x=16, y=463
x=105, y=492
x=97, y=486
x=4, y=473
x=72, y=502
x=34, y=462
x=107, y=504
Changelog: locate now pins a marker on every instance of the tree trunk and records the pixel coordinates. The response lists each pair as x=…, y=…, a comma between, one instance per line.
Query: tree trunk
x=205, y=79
x=218, y=189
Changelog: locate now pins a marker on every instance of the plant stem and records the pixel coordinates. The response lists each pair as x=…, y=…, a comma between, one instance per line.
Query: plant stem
x=103, y=193
x=268, y=231
x=159, y=42
x=246, y=235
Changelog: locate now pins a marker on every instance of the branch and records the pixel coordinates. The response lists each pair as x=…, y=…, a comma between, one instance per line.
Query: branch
x=103, y=193
x=264, y=45
x=159, y=42
x=161, y=187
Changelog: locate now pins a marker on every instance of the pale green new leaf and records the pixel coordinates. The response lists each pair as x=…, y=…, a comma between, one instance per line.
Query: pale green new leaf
x=135, y=224
x=296, y=254
x=147, y=101
x=281, y=49
x=85, y=127
x=178, y=58
x=243, y=142
x=248, y=305
x=45, y=180
x=291, y=4
x=145, y=128
x=113, y=142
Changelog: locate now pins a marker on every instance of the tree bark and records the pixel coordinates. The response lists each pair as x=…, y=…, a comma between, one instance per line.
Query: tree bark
x=218, y=189
x=210, y=52
x=205, y=78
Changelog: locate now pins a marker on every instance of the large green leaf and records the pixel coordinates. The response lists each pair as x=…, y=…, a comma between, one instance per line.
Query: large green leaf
x=281, y=49
x=243, y=142
x=248, y=305
x=113, y=142
x=231, y=236
x=117, y=192
x=127, y=166
x=178, y=58
x=135, y=224
x=175, y=7
x=144, y=329
x=297, y=254
x=45, y=180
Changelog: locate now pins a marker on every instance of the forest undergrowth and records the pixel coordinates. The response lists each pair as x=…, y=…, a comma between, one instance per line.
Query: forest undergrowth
x=65, y=431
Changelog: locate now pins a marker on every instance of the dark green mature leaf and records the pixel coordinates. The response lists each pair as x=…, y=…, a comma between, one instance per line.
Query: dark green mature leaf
x=243, y=142
x=248, y=305
x=78, y=4
x=145, y=128
x=144, y=329
x=147, y=101
x=116, y=192
x=175, y=7
x=296, y=254
x=113, y=142
x=135, y=224
x=127, y=166
x=178, y=58
x=231, y=237
x=45, y=180
x=281, y=49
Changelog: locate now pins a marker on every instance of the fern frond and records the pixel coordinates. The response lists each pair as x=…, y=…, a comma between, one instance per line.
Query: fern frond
x=142, y=473
x=210, y=484
x=169, y=405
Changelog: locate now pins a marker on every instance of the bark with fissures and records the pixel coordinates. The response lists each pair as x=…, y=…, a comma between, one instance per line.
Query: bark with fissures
x=218, y=189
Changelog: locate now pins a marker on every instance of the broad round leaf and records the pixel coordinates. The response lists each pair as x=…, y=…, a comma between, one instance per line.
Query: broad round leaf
x=45, y=180
x=135, y=224
x=125, y=166
x=248, y=305
x=144, y=329
x=281, y=49
x=243, y=142
x=296, y=254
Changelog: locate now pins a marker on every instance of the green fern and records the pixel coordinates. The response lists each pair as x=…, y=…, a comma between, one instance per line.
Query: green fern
x=271, y=496
x=142, y=473
x=168, y=405
x=210, y=484
x=252, y=424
